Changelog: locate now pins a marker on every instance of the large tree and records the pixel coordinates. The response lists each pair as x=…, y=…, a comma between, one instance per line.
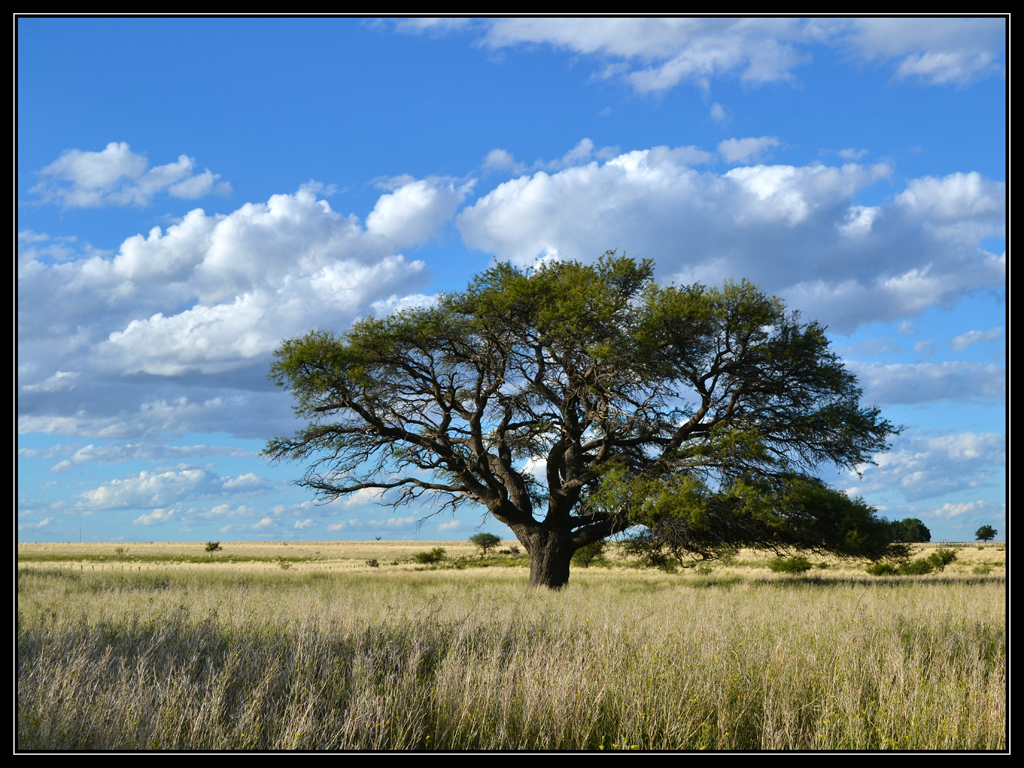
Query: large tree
x=576, y=401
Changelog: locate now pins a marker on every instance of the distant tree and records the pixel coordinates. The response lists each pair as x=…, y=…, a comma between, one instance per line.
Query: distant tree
x=985, y=533
x=699, y=413
x=911, y=531
x=591, y=553
x=213, y=546
x=485, y=541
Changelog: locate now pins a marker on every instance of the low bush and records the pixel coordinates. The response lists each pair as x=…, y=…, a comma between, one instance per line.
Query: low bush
x=436, y=555
x=883, y=569
x=585, y=556
x=919, y=567
x=795, y=564
x=942, y=557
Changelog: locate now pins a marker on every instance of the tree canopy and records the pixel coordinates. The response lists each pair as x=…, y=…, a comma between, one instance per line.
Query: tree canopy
x=910, y=530
x=576, y=401
x=985, y=533
x=485, y=541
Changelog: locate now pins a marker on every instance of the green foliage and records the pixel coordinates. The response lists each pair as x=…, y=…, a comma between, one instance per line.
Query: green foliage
x=587, y=555
x=683, y=517
x=639, y=399
x=794, y=564
x=652, y=552
x=213, y=546
x=436, y=555
x=910, y=530
x=919, y=567
x=485, y=541
x=373, y=562
x=883, y=568
x=985, y=533
x=942, y=557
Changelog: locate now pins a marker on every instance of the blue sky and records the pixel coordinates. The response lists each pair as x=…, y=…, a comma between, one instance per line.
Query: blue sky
x=193, y=191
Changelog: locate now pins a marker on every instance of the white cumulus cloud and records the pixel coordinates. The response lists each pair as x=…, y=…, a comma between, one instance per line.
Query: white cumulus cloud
x=928, y=466
x=795, y=230
x=61, y=380
x=118, y=176
x=161, y=490
x=216, y=292
x=914, y=383
x=656, y=54
x=964, y=340
x=744, y=150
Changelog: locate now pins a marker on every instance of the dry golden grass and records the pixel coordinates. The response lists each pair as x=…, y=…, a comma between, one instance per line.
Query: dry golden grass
x=330, y=556
x=194, y=658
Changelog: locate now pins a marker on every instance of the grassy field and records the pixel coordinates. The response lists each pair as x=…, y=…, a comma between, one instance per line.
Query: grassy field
x=330, y=653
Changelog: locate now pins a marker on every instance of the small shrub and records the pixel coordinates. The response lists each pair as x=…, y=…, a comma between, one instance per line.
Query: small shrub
x=435, y=555
x=919, y=567
x=591, y=553
x=942, y=557
x=704, y=569
x=373, y=563
x=982, y=569
x=662, y=562
x=513, y=549
x=285, y=565
x=728, y=555
x=795, y=564
x=883, y=569
x=213, y=546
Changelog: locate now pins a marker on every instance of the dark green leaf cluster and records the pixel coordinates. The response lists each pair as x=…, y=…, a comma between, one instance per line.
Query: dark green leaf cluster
x=435, y=555
x=910, y=530
x=794, y=564
x=587, y=555
x=777, y=514
x=922, y=566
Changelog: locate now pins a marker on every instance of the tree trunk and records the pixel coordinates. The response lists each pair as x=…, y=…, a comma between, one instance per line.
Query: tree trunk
x=550, y=553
